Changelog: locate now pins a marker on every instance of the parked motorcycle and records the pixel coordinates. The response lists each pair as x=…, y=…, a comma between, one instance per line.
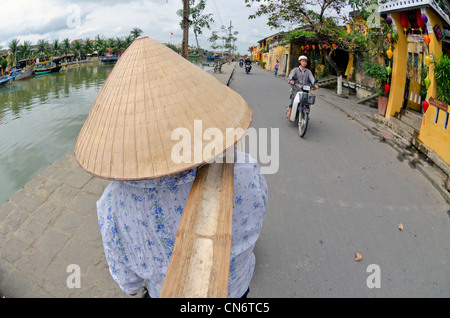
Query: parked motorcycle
x=301, y=107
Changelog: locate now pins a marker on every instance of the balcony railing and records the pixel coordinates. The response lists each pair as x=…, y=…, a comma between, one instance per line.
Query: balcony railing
x=399, y=5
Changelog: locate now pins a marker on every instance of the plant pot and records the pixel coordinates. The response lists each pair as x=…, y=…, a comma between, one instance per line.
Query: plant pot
x=382, y=105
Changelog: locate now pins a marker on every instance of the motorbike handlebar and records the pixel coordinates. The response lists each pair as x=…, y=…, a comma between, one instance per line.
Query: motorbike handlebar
x=312, y=87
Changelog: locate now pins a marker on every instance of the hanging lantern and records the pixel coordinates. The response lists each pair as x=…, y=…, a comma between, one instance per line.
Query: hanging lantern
x=388, y=21
x=428, y=60
x=419, y=19
x=448, y=51
x=387, y=87
x=388, y=70
x=404, y=21
x=314, y=47
x=425, y=106
x=424, y=19
x=389, y=37
x=427, y=82
x=389, y=53
x=333, y=45
x=427, y=39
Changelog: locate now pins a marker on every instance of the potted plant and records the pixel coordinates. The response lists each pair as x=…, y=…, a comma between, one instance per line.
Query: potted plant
x=378, y=73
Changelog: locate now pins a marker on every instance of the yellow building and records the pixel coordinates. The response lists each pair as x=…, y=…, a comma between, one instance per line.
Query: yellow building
x=274, y=48
x=409, y=56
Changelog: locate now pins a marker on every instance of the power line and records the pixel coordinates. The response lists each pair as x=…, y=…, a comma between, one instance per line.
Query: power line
x=213, y=4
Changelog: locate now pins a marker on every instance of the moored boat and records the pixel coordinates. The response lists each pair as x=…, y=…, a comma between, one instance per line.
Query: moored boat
x=47, y=67
x=25, y=74
x=108, y=59
x=5, y=79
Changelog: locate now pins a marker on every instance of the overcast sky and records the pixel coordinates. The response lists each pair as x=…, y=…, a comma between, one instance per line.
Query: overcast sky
x=58, y=19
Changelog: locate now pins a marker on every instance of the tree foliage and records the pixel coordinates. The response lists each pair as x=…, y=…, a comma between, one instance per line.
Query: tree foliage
x=197, y=20
x=326, y=21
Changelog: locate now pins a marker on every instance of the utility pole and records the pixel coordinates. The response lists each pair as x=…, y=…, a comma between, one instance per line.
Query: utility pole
x=184, y=43
x=229, y=48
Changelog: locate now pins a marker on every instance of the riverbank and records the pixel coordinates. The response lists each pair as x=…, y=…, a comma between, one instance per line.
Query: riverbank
x=51, y=224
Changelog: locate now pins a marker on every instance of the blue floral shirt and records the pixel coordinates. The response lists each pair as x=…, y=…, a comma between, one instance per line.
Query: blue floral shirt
x=139, y=219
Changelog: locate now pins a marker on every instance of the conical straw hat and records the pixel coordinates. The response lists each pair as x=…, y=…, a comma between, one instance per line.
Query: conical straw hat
x=158, y=114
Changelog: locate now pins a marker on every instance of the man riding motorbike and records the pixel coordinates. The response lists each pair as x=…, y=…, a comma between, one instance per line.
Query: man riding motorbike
x=248, y=64
x=299, y=76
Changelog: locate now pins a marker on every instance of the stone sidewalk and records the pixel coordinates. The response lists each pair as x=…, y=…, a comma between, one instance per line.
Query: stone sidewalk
x=50, y=224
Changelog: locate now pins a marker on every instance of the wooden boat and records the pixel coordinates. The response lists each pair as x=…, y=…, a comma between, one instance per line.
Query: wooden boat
x=47, y=67
x=5, y=79
x=25, y=74
x=109, y=59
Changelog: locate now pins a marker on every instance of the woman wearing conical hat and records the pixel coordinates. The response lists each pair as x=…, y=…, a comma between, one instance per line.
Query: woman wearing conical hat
x=146, y=132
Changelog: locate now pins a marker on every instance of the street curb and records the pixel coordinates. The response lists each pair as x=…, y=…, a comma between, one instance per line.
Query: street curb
x=231, y=75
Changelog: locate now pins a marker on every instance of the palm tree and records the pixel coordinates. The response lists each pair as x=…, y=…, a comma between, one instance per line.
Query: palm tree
x=42, y=48
x=110, y=45
x=76, y=48
x=65, y=46
x=128, y=40
x=99, y=45
x=136, y=32
x=13, y=48
x=88, y=46
x=25, y=50
x=119, y=45
x=56, y=47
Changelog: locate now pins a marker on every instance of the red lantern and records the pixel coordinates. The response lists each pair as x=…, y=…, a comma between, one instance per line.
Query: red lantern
x=419, y=19
x=425, y=106
x=404, y=20
x=387, y=88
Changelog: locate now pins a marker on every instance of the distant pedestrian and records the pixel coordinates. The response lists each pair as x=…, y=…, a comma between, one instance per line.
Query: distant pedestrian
x=277, y=66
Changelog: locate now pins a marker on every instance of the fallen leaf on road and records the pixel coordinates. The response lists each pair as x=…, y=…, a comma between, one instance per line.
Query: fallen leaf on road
x=400, y=227
x=358, y=257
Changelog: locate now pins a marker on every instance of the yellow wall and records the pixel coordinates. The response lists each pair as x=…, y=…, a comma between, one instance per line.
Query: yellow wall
x=399, y=68
x=278, y=53
x=433, y=134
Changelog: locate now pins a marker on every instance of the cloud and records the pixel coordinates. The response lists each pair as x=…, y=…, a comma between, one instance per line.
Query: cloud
x=51, y=19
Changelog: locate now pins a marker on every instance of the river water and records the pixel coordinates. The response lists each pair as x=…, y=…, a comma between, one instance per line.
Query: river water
x=40, y=119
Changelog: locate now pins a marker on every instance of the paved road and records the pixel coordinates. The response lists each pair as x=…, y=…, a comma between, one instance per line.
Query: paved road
x=338, y=191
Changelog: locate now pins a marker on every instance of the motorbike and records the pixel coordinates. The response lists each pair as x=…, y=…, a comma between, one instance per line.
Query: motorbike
x=241, y=63
x=248, y=67
x=301, y=107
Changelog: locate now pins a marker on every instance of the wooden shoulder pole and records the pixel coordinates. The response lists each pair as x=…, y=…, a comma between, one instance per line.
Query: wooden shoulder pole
x=200, y=262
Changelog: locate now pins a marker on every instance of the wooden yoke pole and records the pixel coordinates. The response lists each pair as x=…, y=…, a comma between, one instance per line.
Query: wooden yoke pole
x=200, y=262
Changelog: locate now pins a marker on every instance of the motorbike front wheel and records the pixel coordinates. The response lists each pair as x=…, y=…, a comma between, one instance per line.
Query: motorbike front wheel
x=302, y=122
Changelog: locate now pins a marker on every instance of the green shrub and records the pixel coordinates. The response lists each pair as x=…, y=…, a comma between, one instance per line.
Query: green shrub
x=377, y=72
x=442, y=76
